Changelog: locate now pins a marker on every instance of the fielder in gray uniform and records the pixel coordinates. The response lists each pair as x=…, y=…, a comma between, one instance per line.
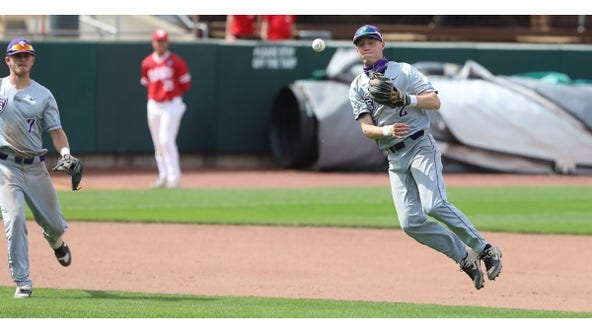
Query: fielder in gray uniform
x=26, y=110
x=414, y=159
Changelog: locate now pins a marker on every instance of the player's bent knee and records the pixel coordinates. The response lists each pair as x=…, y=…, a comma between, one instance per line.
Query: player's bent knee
x=411, y=224
x=437, y=209
x=414, y=231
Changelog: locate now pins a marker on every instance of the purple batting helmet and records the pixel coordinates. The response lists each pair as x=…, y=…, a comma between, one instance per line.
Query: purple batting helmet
x=20, y=45
x=367, y=30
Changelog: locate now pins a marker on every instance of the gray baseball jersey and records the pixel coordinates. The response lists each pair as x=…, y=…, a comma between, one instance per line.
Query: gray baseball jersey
x=415, y=167
x=406, y=78
x=24, y=115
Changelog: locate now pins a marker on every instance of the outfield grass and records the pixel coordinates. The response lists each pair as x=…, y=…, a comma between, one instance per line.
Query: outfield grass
x=563, y=210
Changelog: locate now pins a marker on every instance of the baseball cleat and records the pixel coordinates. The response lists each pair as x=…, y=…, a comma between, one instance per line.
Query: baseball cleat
x=159, y=183
x=471, y=265
x=492, y=257
x=23, y=291
x=172, y=184
x=63, y=255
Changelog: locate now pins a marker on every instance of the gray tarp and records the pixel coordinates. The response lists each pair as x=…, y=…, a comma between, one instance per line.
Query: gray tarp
x=486, y=122
x=341, y=144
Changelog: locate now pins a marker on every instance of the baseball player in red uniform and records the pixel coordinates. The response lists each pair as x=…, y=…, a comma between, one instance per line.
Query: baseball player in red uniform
x=278, y=27
x=166, y=77
x=242, y=27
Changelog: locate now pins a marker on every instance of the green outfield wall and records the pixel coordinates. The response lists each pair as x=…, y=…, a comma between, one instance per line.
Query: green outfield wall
x=103, y=106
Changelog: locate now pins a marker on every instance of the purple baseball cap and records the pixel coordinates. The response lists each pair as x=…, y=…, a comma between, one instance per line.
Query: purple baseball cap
x=367, y=30
x=20, y=45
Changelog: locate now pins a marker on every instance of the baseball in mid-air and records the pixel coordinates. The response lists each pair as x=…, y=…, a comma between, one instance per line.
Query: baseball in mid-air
x=318, y=45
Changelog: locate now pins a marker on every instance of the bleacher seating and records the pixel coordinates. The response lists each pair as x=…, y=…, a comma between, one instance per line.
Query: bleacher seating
x=452, y=28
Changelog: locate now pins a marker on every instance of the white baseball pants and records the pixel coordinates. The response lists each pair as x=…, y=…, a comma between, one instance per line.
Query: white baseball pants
x=164, y=119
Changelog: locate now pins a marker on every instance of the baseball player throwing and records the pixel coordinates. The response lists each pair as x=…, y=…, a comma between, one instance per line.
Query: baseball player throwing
x=400, y=126
x=166, y=77
x=26, y=110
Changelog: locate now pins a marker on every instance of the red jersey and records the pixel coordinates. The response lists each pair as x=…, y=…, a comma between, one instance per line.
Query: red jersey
x=165, y=77
x=279, y=26
x=243, y=25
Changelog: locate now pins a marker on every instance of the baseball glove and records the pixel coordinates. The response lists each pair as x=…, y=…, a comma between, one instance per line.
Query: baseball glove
x=73, y=167
x=381, y=90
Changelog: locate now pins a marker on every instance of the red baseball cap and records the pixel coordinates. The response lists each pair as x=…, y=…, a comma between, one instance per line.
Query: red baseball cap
x=160, y=35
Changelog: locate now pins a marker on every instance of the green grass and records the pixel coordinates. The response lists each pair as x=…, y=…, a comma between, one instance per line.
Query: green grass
x=562, y=210
x=51, y=303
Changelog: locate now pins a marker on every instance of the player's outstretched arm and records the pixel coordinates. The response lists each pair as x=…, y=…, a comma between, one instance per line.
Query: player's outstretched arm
x=428, y=100
x=59, y=139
